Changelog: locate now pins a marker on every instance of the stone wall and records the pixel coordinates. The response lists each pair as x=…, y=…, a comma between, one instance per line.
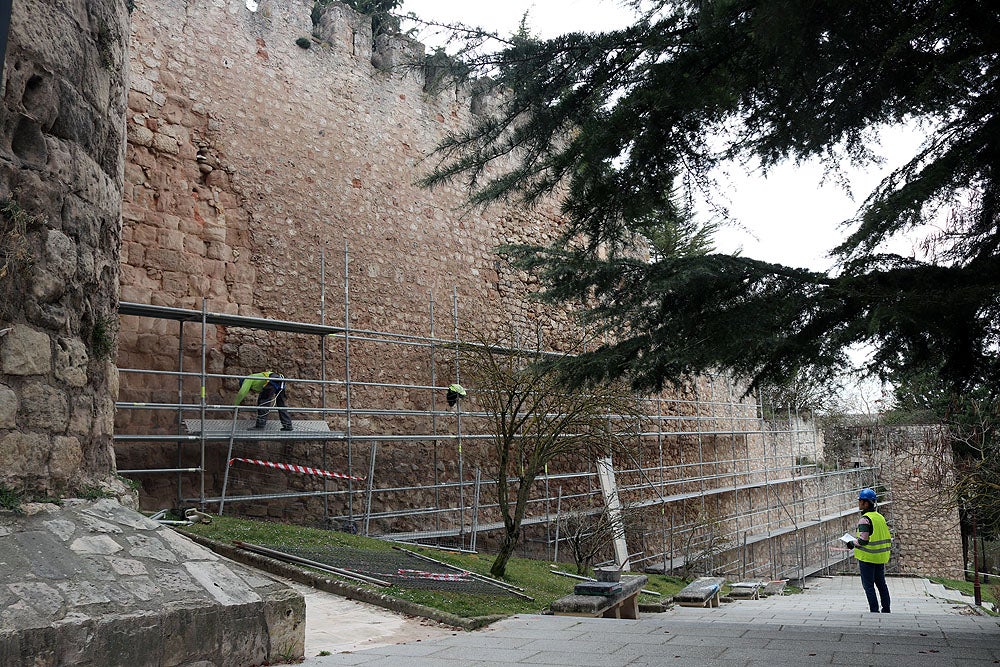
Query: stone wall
x=920, y=473
x=264, y=179
x=915, y=483
x=253, y=165
x=61, y=176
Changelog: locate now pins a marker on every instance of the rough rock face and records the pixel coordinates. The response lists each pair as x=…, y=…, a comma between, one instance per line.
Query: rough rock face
x=920, y=470
x=61, y=174
x=87, y=583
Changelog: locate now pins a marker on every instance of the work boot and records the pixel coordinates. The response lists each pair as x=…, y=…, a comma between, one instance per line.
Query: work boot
x=287, y=427
x=259, y=425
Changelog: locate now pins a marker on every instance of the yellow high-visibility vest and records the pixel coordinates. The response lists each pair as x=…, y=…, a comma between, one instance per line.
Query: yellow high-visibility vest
x=877, y=549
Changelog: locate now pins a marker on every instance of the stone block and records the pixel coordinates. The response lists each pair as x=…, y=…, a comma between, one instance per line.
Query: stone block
x=23, y=454
x=164, y=144
x=43, y=407
x=65, y=459
x=8, y=407
x=25, y=351
x=71, y=361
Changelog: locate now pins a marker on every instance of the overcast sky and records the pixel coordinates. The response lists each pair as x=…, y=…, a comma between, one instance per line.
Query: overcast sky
x=791, y=217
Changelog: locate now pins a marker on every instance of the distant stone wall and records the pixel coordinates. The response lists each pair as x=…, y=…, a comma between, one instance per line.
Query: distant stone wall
x=915, y=483
x=61, y=175
x=920, y=473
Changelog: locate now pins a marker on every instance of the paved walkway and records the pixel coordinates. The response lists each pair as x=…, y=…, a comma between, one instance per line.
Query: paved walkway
x=827, y=624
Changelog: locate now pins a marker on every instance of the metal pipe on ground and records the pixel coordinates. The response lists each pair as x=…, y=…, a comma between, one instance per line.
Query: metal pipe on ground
x=290, y=558
x=510, y=588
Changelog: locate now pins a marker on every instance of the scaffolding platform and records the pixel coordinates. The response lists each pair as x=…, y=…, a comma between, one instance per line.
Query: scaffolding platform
x=216, y=429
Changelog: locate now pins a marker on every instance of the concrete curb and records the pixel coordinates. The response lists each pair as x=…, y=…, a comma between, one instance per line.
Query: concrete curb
x=340, y=588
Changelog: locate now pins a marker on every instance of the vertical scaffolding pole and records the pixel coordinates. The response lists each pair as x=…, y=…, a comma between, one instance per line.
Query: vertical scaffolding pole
x=322, y=375
x=204, y=339
x=180, y=403
x=764, y=439
x=434, y=418
x=347, y=381
x=701, y=450
x=731, y=409
x=458, y=421
x=659, y=443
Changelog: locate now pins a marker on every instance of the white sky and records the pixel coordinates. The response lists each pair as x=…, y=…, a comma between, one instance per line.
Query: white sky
x=791, y=217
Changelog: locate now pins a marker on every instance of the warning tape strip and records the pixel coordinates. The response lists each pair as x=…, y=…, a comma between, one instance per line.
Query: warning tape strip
x=305, y=470
x=420, y=574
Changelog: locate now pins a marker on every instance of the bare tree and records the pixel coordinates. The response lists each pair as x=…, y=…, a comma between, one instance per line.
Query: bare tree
x=590, y=533
x=536, y=418
x=703, y=541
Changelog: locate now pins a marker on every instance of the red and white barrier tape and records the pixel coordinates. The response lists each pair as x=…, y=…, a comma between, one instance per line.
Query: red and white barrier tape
x=305, y=470
x=420, y=574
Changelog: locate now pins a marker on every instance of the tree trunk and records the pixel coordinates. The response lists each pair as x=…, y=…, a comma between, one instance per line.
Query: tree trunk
x=512, y=525
x=499, y=567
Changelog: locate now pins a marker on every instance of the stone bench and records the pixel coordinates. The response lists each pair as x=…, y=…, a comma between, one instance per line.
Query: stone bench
x=622, y=604
x=702, y=592
x=746, y=590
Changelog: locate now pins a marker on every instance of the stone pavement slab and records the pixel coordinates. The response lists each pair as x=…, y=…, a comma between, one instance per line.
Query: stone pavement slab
x=828, y=623
x=92, y=582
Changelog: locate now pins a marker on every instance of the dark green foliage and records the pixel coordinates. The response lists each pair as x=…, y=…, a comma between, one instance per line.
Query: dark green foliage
x=621, y=118
x=303, y=42
x=10, y=500
x=102, y=337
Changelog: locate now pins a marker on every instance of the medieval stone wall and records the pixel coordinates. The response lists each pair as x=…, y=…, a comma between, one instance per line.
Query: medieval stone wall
x=916, y=487
x=61, y=162
x=263, y=177
x=920, y=473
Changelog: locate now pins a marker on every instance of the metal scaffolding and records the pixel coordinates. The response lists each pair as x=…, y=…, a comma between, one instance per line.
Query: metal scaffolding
x=721, y=488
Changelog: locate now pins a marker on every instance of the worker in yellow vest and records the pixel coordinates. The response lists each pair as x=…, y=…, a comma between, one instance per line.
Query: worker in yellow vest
x=455, y=392
x=271, y=392
x=871, y=548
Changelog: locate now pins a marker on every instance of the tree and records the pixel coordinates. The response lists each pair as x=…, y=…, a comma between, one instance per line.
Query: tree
x=534, y=421
x=618, y=121
x=590, y=533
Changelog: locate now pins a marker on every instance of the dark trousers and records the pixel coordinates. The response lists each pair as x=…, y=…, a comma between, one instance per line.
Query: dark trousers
x=872, y=577
x=269, y=398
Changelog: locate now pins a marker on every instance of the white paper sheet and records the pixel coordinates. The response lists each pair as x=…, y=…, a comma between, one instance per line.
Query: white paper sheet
x=846, y=538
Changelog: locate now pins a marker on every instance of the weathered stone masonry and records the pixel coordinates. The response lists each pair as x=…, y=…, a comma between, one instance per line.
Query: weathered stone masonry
x=61, y=162
x=87, y=582
x=248, y=155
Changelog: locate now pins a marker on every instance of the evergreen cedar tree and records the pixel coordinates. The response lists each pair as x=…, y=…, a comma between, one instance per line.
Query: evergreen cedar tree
x=622, y=119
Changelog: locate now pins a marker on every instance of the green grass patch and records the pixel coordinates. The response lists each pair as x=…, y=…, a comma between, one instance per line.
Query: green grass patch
x=990, y=590
x=534, y=576
x=10, y=499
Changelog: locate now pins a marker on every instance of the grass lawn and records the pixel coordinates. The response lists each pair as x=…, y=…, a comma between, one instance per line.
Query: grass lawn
x=534, y=576
x=989, y=591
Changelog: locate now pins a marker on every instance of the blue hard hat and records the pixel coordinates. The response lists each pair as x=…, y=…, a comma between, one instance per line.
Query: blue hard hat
x=867, y=494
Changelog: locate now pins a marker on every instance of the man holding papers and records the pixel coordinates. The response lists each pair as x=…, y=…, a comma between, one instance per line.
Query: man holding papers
x=871, y=548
